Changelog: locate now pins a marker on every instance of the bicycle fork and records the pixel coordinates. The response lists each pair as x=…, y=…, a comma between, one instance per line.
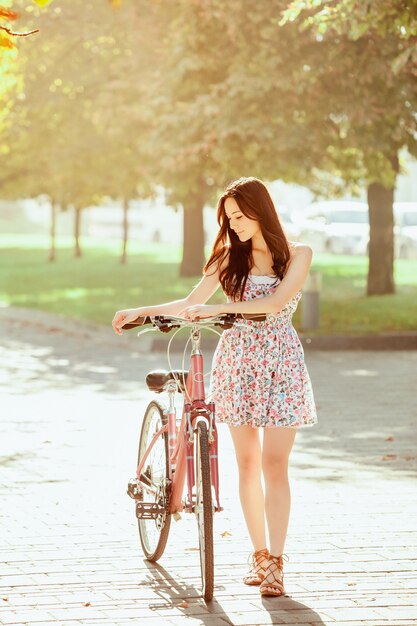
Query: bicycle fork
x=194, y=412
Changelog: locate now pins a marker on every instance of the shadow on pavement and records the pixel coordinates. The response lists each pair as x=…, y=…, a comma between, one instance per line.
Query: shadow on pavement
x=173, y=591
x=287, y=611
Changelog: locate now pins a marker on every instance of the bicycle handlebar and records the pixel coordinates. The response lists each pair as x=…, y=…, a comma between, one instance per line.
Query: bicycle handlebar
x=165, y=323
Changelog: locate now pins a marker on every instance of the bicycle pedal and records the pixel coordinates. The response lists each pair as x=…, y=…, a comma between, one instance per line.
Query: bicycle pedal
x=149, y=510
x=134, y=489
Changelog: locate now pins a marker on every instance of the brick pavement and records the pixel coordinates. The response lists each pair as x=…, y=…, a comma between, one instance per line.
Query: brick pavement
x=70, y=413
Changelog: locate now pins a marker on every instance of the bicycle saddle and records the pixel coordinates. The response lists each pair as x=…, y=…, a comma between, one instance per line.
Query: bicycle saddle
x=157, y=379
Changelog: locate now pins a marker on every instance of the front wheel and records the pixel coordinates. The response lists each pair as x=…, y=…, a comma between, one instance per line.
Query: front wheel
x=153, y=533
x=204, y=510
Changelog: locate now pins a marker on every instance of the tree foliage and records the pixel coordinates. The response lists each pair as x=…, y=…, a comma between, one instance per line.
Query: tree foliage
x=356, y=18
x=191, y=94
x=76, y=133
x=372, y=60
x=268, y=96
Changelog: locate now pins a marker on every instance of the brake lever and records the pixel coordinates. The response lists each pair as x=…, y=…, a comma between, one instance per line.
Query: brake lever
x=151, y=329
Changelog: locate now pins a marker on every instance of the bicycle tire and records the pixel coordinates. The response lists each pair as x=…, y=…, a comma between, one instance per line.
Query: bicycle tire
x=204, y=510
x=153, y=533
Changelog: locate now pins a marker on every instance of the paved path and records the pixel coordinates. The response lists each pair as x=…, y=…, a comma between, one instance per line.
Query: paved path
x=70, y=412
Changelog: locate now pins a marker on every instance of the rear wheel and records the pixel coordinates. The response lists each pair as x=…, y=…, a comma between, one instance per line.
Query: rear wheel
x=153, y=533
x=204, y=510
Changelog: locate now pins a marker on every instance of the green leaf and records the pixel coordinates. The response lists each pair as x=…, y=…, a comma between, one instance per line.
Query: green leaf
x=42, y=3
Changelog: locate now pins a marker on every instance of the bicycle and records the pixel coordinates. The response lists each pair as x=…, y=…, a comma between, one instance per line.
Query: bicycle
x=170, y=452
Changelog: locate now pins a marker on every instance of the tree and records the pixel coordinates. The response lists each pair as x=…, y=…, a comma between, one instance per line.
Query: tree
x=215, y=123
x=324, y=109
x=173, y=148
x=371, y=57
x=72, y=133
x=195, y=48
x=177, y=152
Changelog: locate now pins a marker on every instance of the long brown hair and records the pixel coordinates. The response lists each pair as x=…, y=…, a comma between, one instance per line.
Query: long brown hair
x=255, y=202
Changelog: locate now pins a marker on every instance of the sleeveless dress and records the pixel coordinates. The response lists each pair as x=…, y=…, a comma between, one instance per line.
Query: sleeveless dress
x=259, y=376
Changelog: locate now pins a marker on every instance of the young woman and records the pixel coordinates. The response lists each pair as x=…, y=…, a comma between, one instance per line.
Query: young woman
x=259, y=378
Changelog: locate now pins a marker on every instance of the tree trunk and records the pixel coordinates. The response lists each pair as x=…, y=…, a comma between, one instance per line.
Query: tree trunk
x=77, y=228
x=52, y=247
x=193, y=258
x=381, y=240
x=125, y=230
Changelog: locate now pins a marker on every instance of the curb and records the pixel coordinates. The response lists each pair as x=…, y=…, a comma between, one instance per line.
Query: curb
x=383, y=341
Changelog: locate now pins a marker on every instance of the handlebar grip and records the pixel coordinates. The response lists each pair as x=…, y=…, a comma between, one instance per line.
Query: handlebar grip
x=139, y=321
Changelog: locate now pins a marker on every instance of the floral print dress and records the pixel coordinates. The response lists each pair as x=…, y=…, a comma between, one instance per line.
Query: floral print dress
x=259, y=376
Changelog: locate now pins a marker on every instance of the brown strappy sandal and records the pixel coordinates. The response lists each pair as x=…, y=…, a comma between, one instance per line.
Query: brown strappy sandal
x=273, y=582
x=259, y=562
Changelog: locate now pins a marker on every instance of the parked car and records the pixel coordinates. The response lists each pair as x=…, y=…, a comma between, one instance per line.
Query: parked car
x=406, y=227
x=339, y=227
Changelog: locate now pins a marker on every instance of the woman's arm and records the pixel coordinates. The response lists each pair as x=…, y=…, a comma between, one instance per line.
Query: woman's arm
x=201, y=293
x=292, y=282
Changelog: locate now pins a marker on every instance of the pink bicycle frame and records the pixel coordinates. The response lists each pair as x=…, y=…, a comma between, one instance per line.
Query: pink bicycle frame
x=196, y=409
x=181, y=444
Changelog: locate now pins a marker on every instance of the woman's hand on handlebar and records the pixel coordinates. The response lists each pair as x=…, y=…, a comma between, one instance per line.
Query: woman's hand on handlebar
x=201, y=310
x=124, y=317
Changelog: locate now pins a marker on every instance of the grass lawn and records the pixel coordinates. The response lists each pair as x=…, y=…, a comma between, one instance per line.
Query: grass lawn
x=94, y=286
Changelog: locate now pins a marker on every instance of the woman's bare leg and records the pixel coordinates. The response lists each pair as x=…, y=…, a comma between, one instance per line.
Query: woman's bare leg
x=277, y=444
x=249, y=460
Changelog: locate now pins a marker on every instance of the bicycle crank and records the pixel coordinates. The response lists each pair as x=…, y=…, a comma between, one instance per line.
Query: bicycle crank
x=135, y=489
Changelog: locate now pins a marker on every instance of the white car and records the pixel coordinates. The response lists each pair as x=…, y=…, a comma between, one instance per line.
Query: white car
x=339, y=227
x=406, y=227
